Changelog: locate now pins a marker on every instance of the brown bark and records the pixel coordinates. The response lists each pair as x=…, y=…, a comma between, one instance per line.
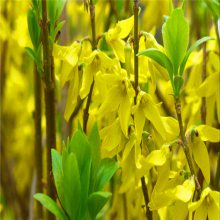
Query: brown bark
x=49, y=91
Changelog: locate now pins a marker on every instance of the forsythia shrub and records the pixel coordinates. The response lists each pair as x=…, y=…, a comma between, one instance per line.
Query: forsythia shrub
x=155, y=106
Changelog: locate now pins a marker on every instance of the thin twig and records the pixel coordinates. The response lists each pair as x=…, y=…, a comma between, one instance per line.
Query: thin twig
x=136, y=48
x=185, y=144
x=203, y=107
x=94, y=45
x=146, y=198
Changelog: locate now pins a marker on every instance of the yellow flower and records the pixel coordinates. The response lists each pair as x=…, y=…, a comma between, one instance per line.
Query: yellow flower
x=69, y=55
x=154, y=158
x=210, y=88
x=115, y=35
x=112, y=137
x=199, y=149
x=95, y=62
x=207, y=206
x=119, y=98
x=168, y=188
x=146, y=108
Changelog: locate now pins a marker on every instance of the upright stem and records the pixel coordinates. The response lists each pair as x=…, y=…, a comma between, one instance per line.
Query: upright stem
x=136, y=48
x=94, y=46
x=203, y=107
x=38, y=139
x=49, y=101
x=185, y=145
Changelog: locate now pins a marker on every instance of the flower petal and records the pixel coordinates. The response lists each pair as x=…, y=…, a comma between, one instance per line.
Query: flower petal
x=201, y=156
x=208, y=133
x=125, y=26
x=201, y=213
x=124, y=114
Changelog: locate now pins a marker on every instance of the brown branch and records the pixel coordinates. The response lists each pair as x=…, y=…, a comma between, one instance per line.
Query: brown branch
x=38, y=140
x=136, y=47
x=203, y=107
x=146, y=198
x=185, y=144
x=94, y=45
x=49, y=101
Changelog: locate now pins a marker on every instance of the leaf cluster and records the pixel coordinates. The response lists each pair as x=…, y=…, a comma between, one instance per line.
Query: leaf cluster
x=175, y=33
x=80, y=176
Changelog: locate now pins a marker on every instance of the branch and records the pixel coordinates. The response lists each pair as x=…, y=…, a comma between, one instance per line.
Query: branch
x=49, y=102
x=38, y=139
x=203, y=107
x=136, y=46
x=185, y=144
x=94, y=46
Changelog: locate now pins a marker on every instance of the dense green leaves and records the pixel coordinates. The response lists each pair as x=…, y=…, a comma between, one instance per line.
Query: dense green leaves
x=175, y=38
x=80, y=176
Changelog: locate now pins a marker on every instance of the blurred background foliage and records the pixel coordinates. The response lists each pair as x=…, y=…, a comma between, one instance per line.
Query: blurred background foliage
x=18, y=176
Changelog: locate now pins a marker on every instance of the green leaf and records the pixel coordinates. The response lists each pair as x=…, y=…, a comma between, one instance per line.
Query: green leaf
x=60, y=7
x=178, y=82
x=33, y=28
x=85, y=181
x=201, y=156
x=58, y=173
x=54, y=32
x=171, y=6
x=106, y=170
x=51, y=205
x=35, y=4
x=72, y=186
x=31, y=53
x=194, y=46
x=95, y=142
x=160, y=58
x=35, y=56
x=52, y=12
x=59, y=27
x=96, y=202
x=176, y=37
x=214, y=7
x=80, y=127
x=79, y=145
